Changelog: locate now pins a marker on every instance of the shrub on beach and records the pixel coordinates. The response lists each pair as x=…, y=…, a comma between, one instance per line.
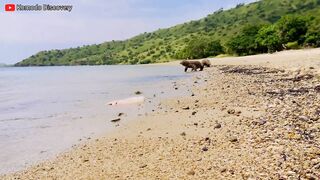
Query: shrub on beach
x=292, y=28
x=269, y=39
x=313, y=39
x=293, y=45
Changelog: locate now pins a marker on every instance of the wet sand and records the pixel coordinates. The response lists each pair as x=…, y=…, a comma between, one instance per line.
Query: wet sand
x=254, y=117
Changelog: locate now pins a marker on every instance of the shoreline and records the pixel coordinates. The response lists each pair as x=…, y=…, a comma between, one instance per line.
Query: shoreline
x=246, y=117
x=78, y=110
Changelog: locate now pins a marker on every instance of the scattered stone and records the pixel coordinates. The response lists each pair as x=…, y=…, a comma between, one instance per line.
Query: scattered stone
x=186, y=108
x=204, y=149
x=183, y=134
x=303, y=118
x=194, y=113
x=233, y=139
x=217, y=126
x=231, y=111
x=262, y=122
x=191, y=173
x=138, y=92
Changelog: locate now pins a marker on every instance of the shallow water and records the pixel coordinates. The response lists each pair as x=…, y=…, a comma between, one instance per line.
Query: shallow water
x=46, y=110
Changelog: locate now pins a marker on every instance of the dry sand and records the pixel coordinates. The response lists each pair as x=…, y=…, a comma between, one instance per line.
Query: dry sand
x=255, y=117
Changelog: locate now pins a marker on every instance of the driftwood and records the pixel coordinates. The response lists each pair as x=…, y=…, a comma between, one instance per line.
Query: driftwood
x=115, y=120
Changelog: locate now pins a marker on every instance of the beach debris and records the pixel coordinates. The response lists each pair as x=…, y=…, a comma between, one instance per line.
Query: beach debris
x=297, y=91
x=249, y=70
x=223, y=170
x=143, y=166
x=121, y=114
x=298, y=78
x=303, y=77
x=127, y=101
x=276, y=92
x=290, y=91
x=115, y=120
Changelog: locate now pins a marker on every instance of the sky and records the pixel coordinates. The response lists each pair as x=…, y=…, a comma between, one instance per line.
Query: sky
x=23, y=34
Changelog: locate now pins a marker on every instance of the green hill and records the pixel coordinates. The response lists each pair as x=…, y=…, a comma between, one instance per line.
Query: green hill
x=169, y=44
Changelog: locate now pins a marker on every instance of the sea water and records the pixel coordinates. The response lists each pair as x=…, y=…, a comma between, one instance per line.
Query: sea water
x=46, y=110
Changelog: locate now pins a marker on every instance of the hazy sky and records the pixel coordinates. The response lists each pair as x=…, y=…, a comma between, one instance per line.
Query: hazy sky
x=93, y=21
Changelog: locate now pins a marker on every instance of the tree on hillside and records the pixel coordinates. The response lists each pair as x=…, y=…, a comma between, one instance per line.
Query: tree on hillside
x=245, y=42
x=200, y=47
x=292, y=28
x=268, y=39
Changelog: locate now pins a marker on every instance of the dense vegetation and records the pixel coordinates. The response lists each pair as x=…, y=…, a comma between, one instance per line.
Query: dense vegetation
x=263, y=26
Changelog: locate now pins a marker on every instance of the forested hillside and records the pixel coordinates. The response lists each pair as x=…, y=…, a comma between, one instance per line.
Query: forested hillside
x=263, y=26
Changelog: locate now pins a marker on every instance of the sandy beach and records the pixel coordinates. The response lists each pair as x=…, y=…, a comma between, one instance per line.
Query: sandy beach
x=254, y=117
